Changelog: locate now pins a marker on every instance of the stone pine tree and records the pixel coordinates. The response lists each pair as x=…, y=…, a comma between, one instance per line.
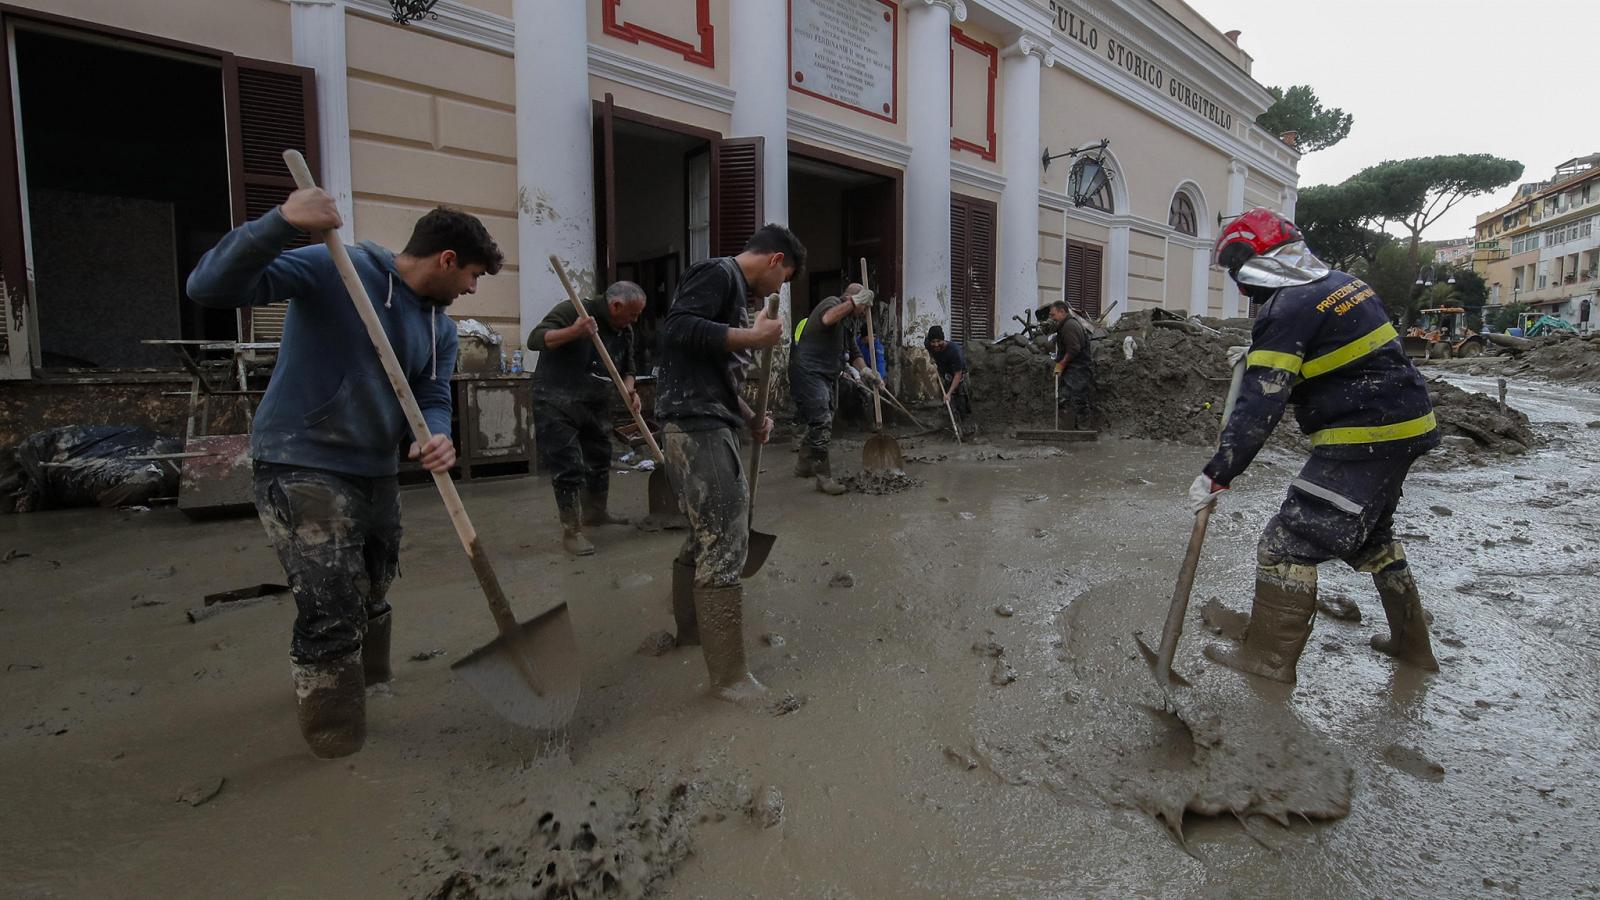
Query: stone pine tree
x=1300, y=110
x=1425, y=188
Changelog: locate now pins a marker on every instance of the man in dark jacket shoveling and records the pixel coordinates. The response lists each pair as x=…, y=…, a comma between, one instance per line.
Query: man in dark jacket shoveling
x=1323, y=341
x=327, y=436
x=572, y=393
x=821, y=344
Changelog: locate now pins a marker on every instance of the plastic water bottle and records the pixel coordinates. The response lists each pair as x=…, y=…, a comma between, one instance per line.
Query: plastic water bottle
x=516, y=362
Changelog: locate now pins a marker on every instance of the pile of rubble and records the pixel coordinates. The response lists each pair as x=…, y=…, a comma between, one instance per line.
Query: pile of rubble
x=1163, y=378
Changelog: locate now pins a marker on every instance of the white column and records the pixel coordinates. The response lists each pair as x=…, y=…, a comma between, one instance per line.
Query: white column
x=1200, y=281
x=1017, y=279
x=1289, y=199
x=1117, y=273
x=927, y=186
x=758, y=63
x=555, y=153
x=1236, y=175
x=317, y=28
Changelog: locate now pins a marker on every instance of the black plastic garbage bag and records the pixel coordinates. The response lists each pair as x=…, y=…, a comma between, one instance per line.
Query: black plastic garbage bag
x=90, y=465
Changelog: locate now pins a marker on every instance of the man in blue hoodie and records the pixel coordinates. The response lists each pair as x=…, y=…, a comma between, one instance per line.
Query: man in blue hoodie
x=329, y=431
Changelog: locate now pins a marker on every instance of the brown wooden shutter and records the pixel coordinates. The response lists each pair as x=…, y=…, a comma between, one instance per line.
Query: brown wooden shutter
x=960, y=299
x=15, y=338
x=1083, y=277
x=605, y=189
x=972, y=238
x=737, y=207
x=272, y=107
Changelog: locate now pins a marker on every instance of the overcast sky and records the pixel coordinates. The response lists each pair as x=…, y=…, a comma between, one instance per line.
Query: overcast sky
x=1429, y=77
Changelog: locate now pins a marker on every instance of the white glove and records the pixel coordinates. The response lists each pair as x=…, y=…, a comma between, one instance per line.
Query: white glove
x=862, y=298
x=1235, y=354
x=1203, y=492
x=871, y=378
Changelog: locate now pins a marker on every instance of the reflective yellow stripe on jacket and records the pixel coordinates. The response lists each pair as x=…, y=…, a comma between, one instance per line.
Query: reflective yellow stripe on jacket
x=1272, y=359
x=1375, y=434
x=1350, y=352
x=800, y=328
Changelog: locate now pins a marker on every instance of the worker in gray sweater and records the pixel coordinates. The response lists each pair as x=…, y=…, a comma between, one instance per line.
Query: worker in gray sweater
x=329, y=432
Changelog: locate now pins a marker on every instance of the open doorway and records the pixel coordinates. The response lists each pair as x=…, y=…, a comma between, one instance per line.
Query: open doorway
x=844, y=213
x=125, y=186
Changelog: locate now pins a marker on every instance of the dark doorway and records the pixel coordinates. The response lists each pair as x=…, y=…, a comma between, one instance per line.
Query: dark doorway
x=843, y=214
x=126, y=180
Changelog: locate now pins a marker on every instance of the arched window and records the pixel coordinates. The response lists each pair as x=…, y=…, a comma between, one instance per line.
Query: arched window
x=1100, y=199
x=1180, y=217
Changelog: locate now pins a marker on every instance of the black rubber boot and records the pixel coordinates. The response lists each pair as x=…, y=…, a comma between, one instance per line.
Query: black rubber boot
x=683, y=612
x=824, y=469
x=572, y=539
x=721, y=615
x=593, y=506
x=375, y=649
x=1280, y=623
x=331, y=704
x=1407, y=639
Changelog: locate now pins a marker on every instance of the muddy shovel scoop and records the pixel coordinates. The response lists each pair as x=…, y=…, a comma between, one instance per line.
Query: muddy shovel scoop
x=760, y=542
x=530, y=673
x=1160, y=660
x=881, y=450
x=663, y=499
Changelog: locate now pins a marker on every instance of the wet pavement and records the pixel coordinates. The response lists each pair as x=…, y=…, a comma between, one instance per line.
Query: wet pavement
x=912, y=761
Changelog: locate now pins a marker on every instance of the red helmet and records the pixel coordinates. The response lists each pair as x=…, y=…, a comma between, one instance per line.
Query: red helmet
x=1252, y=234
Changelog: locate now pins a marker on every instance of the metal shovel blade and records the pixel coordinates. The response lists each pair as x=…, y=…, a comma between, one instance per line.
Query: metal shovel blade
x=663, y=499
x=760, y=548
x=882, y=452
x=1154, y=659
x=531, y=676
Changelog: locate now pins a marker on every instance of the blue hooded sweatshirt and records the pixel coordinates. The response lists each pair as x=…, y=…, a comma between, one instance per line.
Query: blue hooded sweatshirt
x=329, y=405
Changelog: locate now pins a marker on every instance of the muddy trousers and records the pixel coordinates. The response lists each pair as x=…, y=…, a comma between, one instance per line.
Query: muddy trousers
x=961, y=400
x=816, y=400
x=707, y=473
x=1337, y=509
x=338, y=539
x=573, y=437
x=1077, y=395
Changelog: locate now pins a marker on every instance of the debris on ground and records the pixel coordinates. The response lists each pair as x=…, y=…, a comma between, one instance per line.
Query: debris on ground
x=1560, y=357
x=1335, y=606
x=842, y=580
x=657, y=643
x=202, y=791
x=78, y=465
x=879, y=482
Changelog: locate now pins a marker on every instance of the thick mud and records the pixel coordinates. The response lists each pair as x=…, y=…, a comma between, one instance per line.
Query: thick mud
x=897, y=763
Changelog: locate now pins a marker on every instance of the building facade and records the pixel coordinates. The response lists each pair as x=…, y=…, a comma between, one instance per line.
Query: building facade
x=630, y=138
x=1543, y=248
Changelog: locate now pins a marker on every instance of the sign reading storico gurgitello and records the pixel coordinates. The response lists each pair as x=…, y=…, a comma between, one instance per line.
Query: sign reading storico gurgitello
x=844, y=51
x=1091, y=35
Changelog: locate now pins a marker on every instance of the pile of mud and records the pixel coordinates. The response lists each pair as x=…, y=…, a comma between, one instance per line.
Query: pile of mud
x=1174, y=387
x=879, y=482
x=569, y=838
x=1560, y=358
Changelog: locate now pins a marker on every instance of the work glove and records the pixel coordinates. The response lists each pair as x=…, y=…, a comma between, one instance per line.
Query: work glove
x=1061, y=367
x=871, y=379
x=1235, y=354
x=862, y=298
x=1203, y=492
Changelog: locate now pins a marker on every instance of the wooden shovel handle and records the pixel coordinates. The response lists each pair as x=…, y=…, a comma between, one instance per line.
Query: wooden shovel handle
x=872, y=354
x=763, y=398
x=605, y=357
x=481, y=567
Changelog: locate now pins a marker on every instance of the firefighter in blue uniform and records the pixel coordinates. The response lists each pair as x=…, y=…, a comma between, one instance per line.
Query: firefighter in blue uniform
x=1322, y=341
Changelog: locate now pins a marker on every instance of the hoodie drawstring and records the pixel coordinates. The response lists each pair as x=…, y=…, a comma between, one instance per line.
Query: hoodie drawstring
x=433, y=332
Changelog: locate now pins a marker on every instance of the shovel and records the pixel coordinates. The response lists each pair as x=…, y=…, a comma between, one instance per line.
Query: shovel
x=880, y=451
x=1161, y=660
x=663, y=500
x=760, y=542
x=530, y=673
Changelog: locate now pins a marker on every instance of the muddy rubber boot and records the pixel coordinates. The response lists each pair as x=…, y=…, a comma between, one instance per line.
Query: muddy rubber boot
x=683, y=612
x=1407, y=639
x=1280, y=624
x=572, y=539
x=331, y=704
x=375, y=650
x=804, y=466
x=595, y=512
x=824, y=469
x=721, y=615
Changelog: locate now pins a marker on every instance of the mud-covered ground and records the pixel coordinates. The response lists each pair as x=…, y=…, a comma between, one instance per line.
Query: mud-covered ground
x=965, y=714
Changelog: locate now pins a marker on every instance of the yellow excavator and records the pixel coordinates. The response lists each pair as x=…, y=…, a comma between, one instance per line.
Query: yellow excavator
x=1441, y=333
